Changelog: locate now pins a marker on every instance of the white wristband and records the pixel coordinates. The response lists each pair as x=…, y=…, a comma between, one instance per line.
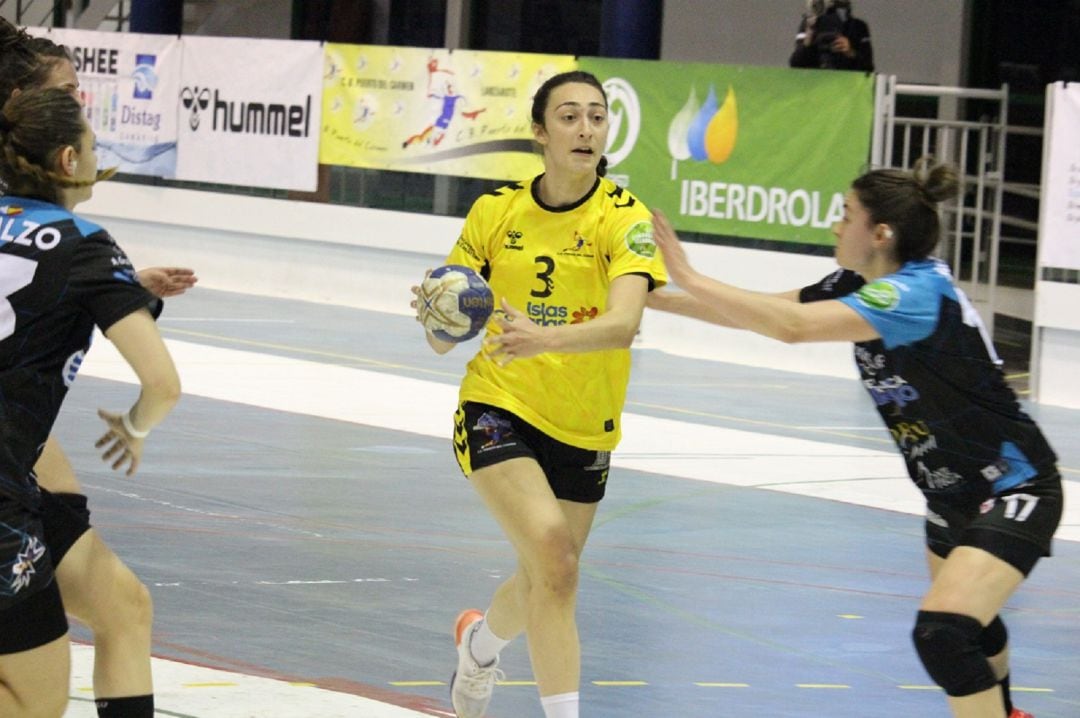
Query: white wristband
x=134, y=433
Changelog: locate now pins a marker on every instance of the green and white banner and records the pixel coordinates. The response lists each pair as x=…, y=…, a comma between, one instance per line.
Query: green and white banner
x=757, y=152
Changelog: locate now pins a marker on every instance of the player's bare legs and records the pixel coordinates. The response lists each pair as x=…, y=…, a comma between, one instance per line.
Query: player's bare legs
x=103, y=593
x=974, y=583
x=34, y=683
x=507, y=612
x=99, y=590
x=540, y=598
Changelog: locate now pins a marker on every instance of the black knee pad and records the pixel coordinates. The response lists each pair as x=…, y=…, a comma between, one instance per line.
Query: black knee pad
x=994, y=638
x=949, y=646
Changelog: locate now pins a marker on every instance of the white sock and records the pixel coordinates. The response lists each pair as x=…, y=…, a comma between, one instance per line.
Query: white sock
x=485, y=645
x=561, y=705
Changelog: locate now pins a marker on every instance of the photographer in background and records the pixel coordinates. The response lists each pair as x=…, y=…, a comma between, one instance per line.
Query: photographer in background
x=831, y=38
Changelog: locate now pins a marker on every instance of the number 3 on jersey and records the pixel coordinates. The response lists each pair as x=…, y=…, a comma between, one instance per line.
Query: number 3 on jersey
x=15, y=273
x=544, y=275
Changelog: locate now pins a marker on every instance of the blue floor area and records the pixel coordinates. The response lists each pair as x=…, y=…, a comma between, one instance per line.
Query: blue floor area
x=316, y=550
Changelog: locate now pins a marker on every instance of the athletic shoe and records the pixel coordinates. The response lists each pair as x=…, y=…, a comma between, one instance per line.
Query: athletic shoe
x=472, y=684
x=1017, y=713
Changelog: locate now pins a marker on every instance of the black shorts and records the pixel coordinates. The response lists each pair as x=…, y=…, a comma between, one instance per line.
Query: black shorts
x=1017, y=526
x=65, y=518
x=486, y=435
x=31, y=613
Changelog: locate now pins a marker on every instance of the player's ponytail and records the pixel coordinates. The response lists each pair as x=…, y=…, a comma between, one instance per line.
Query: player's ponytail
x=601, y=169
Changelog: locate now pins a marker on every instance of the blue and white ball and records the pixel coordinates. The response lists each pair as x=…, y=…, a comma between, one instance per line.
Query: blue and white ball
x=455, y=303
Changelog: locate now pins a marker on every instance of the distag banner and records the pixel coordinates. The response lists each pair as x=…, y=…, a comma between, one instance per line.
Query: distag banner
x=437, y=111
x=250, y=112
x=754, y=152
x=128, y=84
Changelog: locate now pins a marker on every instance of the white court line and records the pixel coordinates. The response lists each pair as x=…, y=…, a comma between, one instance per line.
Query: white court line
x=186, y=690
x=866, y=477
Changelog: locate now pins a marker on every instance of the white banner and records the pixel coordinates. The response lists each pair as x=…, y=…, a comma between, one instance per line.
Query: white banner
x=1059, y=232
x=128, y=84
x=250, y=112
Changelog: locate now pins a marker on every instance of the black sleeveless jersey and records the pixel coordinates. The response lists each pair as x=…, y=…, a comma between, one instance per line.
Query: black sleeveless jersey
x=60, y=275
x=937, y=383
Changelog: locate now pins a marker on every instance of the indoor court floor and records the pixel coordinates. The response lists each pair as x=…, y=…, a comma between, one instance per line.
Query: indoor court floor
x=309, y=540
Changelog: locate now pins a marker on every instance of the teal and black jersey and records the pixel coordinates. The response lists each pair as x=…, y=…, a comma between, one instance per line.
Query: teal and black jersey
x=937, y=382
x=60, y=275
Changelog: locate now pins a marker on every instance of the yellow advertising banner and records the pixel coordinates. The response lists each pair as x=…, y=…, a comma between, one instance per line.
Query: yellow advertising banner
x=460, y=112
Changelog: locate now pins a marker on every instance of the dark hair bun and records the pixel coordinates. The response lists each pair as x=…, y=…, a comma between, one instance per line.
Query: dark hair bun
x=938, y=182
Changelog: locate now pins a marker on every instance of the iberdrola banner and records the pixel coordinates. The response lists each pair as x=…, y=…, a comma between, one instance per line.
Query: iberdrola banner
x=754, y=152
x=437, y=111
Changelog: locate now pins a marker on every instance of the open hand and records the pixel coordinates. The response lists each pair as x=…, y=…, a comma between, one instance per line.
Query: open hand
x=675, y=259
x=520, y=337
x=119, y=447
x=167, y=281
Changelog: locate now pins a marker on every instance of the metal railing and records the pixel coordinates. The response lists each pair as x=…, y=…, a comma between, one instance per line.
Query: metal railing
x=972, y=223
x=44, y=13
x=55, y=13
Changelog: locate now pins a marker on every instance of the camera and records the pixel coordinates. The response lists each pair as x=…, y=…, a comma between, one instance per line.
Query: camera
x=827, y=28
x=829, y=18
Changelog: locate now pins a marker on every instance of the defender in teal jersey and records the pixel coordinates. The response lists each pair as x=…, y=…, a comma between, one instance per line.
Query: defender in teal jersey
x=993, y=492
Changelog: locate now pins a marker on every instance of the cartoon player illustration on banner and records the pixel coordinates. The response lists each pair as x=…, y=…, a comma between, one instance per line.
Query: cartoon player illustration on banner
x=434, y=133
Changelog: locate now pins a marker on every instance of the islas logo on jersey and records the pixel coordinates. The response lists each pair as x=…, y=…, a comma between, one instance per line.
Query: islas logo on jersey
x=546, y=314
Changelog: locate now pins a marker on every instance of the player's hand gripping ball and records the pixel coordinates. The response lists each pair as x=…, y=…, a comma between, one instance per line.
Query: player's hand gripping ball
x=454, y=303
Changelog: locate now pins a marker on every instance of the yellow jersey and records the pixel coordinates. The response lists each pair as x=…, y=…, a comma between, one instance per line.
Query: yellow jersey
x=556, y=265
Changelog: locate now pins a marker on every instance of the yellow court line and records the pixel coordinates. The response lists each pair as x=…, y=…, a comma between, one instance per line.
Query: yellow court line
x=920, y=688
x=821, y=685
x=1023, y=689
x=723, y=685
x=516, y=683
x=302, y=684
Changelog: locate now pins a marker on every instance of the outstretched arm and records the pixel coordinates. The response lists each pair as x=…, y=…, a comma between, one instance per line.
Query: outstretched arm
x=137, y=339
x=674, y=301
x=771, y=315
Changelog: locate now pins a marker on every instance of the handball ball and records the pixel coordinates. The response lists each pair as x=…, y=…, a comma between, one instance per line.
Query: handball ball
x=455, y=303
